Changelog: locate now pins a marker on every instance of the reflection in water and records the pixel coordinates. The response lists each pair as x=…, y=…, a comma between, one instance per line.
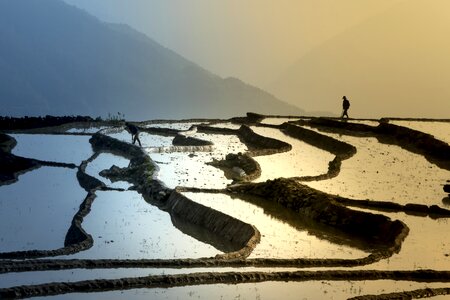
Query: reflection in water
x=279, y=239
x=124, y=226
x=314, y=290
x=302, y=160
x=385, y=173
x=105, y=161
x=36, y=211
x=58, y=148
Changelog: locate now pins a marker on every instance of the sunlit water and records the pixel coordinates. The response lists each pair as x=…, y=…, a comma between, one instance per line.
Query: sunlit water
x=36, y=211
x=302, y=160
x=226, y=125
x=190, y=168
x=426, y=247
x=147, y=140
x=385, y=172
x=90, y=129
x=58, y=148
x=440, y=130
x=124, y=226
x=277, y=121
x=105, y=161
x=279, y=239
x=174, y=125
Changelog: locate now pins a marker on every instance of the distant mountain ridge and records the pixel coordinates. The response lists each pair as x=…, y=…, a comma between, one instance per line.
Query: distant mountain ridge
x=57, y=59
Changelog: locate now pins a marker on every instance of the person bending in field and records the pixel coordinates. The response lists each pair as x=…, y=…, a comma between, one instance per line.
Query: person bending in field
x=345, y=107
x=134, y=131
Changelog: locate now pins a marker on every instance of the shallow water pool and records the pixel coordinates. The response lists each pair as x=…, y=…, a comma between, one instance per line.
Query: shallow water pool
x=124, y=226
x=36, y=211
x=57, y=148
x=302, y=160
x=386, y=173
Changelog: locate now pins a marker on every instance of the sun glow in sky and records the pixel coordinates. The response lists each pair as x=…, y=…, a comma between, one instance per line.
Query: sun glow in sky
x=309, y=52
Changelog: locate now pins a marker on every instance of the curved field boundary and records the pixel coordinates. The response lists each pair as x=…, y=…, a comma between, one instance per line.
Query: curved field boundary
x=341, y=150
x=415, y=294
x=164, y=281
x=76, y=238
x=410, y=208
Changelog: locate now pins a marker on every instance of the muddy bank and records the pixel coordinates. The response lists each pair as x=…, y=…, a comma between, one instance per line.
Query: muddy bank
x=241, y=236
x=261, y=145
x=433, y=211
x=182, y=140
x=323, y=208
x=11, y=123
x=164, y=281
x=416, y=294
x=239, y=167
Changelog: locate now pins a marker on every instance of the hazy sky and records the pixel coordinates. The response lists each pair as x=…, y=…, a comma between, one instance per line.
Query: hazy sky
x=387, y=55
x=254, y=40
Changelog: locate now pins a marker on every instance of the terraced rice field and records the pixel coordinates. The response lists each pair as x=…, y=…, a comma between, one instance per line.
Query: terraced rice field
x=69, y=231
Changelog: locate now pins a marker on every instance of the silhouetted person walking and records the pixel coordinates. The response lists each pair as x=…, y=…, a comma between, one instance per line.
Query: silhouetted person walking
x=345, y=107
x=134, y=133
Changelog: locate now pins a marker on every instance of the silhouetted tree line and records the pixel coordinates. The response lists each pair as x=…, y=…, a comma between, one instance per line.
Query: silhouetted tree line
x=8, y=123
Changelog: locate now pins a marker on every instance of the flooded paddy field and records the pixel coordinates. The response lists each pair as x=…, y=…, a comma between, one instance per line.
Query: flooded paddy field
x=58, y=148
x=314, y=160
x=43, y=203
x=172, y=226
x=385, y=173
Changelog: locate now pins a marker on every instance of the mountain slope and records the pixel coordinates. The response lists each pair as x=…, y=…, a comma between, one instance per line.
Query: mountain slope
x=57, y=59
x=395, y=64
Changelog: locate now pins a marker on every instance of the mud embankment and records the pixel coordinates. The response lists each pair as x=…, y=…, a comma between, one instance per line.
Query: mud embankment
x=164, y=281
x=261, y=145
x=243, y=237
x=239, y=167
x=324, y=209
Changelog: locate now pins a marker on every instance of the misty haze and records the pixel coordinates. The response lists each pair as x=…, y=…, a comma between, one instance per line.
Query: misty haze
x=224, y=149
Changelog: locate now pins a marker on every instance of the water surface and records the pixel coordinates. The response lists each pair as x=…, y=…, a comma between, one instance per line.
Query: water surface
x=36, y=211
x=58, y=148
